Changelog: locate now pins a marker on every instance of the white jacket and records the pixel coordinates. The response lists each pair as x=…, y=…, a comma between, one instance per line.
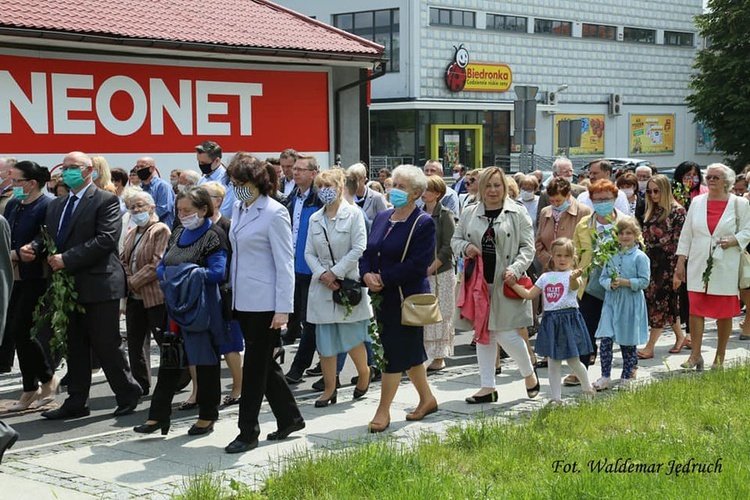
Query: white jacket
x=348, y=237
x=696, y=242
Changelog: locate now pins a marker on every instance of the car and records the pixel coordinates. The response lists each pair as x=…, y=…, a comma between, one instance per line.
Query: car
x=631, y=164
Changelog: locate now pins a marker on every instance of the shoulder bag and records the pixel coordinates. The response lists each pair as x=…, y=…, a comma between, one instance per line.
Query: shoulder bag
x=422, y=308
x=349, y=288
x=744, y=271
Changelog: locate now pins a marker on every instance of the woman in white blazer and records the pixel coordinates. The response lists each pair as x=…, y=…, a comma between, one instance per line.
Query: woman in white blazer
x=262, y=279
x=717, y=224
x=336, y=240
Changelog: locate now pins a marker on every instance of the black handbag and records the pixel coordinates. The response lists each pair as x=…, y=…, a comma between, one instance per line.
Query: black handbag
x=173, y=352
x=349, y=288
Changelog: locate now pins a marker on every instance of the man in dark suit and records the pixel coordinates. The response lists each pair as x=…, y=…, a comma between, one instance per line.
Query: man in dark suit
x=86, y=227
x=459, y=176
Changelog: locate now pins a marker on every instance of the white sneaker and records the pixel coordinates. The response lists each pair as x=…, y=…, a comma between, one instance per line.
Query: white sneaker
x=602, y=384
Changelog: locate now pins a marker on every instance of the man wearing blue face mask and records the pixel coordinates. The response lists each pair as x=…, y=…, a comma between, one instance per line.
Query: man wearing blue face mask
x=85, y=226
x=208, y=154
x=602, y=169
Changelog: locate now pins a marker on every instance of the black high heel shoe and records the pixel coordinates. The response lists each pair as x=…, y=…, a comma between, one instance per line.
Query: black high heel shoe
x=279, y=355
x=322, y=403
x=151, y=428
x=358, y=393
x=534, y=391
x=199, y=431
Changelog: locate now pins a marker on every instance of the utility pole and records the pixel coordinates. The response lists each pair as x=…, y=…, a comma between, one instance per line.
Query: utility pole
x=524, y=110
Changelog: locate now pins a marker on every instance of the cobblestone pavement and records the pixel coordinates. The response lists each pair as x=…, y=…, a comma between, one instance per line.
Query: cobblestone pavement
x=118, y=464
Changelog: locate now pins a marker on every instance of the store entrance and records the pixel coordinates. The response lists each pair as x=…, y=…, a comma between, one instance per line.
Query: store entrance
x=457, y=144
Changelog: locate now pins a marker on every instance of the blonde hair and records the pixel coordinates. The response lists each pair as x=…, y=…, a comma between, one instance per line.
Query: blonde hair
x=567, y=245
x=214, y=189
x=105, y=175
x=513, y=190
x=436, y=184
x=666, y=200
x=628, y=223
x=375, y=186
x=333, y=176
x=484, y=179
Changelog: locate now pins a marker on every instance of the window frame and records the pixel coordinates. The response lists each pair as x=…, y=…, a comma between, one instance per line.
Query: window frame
x=450, y=13
x=552, y=22
x=491, y=23
x=679, y=35
x=640, y=30
x=371, y=32
x=599, y=28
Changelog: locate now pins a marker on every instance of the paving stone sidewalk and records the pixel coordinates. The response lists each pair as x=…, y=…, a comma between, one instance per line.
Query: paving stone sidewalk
x=121, y=464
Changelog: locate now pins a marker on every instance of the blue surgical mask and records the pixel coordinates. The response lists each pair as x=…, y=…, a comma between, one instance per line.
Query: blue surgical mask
x=141, y=218
x=73, y=178
x=604, y=208
x=399, y=198
x=328, y=195
x=94, y=175
x=19, y=194
x=563, y=206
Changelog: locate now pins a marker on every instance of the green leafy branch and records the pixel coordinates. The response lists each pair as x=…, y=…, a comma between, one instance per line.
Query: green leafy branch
x=706, y=277
x=604, y=246
x=681, y=194
x=345, y=302
x=57, y=303
x=373, y=330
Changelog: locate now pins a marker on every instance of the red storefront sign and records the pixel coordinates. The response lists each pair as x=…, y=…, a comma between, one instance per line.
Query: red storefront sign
x=53, y=105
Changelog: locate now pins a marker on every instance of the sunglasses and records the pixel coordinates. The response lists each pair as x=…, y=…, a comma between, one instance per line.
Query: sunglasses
x=713, y=177
x=653, y=191
x=470, y=181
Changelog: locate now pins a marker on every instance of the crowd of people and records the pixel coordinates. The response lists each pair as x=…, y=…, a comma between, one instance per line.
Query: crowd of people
x=213, y=264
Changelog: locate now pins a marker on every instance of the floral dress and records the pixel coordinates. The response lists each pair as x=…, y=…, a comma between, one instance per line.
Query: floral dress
x=661, y=238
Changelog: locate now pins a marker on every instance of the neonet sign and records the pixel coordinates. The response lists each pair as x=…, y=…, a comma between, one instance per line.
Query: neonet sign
x=51, y=105
x=476, y=77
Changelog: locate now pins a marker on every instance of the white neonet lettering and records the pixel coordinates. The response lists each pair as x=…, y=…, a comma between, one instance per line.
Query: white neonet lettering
x=34, y=107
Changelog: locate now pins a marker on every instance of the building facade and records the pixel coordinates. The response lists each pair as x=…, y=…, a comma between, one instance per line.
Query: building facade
x=622, y=67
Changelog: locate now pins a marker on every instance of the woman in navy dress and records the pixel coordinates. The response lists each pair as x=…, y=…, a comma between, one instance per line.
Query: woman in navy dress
x=383, y=272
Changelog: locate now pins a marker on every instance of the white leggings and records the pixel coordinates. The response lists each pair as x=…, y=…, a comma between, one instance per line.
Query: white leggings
x=554, y=367
x=513, y=344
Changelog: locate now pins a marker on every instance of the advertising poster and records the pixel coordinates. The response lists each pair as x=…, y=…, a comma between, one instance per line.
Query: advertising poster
x=651, y=134
x=592, y=135
x=704, y=138
x=451, y=144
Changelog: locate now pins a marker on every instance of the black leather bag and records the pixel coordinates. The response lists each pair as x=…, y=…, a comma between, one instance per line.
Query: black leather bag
x=351, y=289
x=173, y=352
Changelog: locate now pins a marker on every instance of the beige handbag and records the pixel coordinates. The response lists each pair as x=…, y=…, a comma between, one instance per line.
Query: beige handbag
x=422, y=308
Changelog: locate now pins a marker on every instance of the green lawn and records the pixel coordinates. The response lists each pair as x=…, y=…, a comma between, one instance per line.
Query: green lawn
x=685, y=436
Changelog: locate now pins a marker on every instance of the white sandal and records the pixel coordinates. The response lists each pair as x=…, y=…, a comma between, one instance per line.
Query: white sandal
x=602, y=384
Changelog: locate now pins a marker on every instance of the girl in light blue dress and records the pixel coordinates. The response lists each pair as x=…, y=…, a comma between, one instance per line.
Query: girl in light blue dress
x=624, y=316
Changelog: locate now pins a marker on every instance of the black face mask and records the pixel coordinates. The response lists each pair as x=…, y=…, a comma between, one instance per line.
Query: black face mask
x=143, y=173
x=205, y=168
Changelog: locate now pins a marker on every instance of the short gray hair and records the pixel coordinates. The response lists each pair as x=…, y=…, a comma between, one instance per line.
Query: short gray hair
x=559, y=162
x=358, y=170
x=131, y=193
x=414, y=176
x=729, y=175
x=192, y=176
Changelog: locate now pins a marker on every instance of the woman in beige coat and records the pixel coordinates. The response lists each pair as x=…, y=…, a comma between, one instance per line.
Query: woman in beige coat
x=499, y=230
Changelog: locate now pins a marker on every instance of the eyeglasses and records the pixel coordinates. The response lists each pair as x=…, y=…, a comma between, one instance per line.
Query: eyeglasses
x=653, y=191
x=300, y=169
x=713, y=177
x=18, y=181
x=601, y=200
x=74, y=167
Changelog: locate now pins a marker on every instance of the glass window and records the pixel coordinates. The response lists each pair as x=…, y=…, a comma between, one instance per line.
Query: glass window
x=450, y=17
x=677, y=38
x=550, y=27
x=599, y=31
x=380, y=26
x=639, y=35
x=506, y=23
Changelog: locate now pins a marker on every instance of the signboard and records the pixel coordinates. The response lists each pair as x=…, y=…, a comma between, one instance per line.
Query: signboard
x=476, y=77
x=704, y=139
x=451, y=147
x=651, y=134
x=55, y=106
x=592, y=135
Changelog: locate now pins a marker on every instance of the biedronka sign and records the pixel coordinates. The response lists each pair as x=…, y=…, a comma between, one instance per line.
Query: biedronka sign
x=55, y=105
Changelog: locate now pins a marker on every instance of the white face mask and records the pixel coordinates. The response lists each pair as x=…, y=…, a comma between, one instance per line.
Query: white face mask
x=181, y=187
x=192, y=221
x=569, y=179
x=141, y=218
x=628, y=191
x=527, y=195
x=642, y=185
x=456, y=176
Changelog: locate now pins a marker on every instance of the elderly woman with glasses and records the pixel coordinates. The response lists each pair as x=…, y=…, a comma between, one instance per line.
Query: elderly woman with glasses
x=145, y=314
x=717, y=228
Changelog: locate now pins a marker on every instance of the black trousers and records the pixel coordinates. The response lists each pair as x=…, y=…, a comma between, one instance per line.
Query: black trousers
x=209, y=392
x=141, y=323
x=307, y=345
x=591, y=310
x=262, y=376
x=31, y=357
x=98, y=330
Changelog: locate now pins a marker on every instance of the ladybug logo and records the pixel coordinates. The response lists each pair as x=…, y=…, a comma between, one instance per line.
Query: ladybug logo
x=455, y=74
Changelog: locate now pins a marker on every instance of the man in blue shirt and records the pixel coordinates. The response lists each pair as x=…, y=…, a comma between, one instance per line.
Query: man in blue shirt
x=160, y=190
x=208, y=154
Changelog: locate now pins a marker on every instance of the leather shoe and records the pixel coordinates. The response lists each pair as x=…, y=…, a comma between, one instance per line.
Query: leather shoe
x=66, y=413
x=8, y=437
x=320, y=384
x=125, y=409
x=200, y=431
x=284, y=433
x=293, y=376
x=418, y=414
x=238, y=446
